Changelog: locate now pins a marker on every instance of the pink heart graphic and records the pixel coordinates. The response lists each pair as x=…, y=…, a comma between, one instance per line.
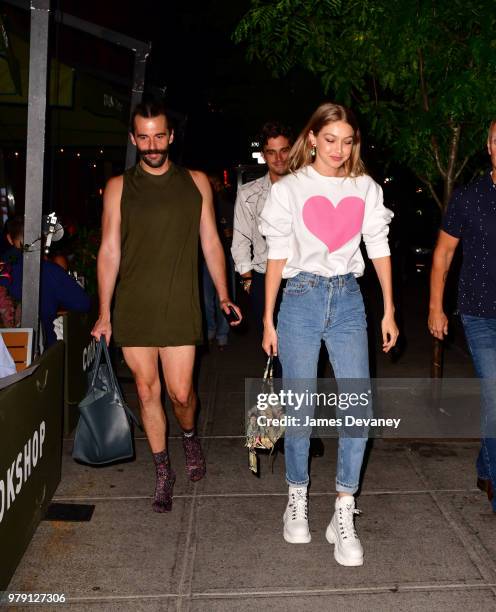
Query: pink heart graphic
x=334, y=226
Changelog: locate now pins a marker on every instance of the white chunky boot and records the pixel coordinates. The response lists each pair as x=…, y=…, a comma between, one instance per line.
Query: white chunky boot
x=296, y=517
x=341, y=532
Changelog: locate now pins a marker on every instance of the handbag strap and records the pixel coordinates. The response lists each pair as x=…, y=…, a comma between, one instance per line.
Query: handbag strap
x=269, y=369
x=113, y=378
x=117, y=387
x=102, y=347
x=96, y=362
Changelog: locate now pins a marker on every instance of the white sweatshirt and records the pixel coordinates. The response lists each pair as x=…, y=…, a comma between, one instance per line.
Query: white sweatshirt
x=316, y=223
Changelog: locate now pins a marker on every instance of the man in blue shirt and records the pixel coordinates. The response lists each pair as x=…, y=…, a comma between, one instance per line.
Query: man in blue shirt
x=58, y=290
x=471, y=218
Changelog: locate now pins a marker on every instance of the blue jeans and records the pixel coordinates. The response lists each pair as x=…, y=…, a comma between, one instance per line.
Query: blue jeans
x=481, y=338
x=315, y=308
x=217, y=325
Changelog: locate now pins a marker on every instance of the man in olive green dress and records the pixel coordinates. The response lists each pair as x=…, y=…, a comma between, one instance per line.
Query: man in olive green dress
x=152, y=217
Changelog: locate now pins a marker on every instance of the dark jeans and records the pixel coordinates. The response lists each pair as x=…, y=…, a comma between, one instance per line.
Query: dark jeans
x=481, y=339
x=257, y=298
x=217, y=325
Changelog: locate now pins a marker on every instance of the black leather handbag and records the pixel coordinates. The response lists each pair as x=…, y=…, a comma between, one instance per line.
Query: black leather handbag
x=104, y=432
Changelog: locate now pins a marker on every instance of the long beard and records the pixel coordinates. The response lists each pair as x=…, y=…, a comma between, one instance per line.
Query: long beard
x=164, y=154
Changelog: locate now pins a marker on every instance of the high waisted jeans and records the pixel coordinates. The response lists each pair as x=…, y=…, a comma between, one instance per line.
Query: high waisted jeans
x=315, y=308
x=481, y=338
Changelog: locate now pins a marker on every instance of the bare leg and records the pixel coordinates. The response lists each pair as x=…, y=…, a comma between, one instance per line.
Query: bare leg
x=177, y=364
x=143, y=362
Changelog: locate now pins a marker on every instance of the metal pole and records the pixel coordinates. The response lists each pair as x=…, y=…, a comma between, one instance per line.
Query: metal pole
x=35, y=154
x=437, y=358
x=140, y=48
x=136, y=97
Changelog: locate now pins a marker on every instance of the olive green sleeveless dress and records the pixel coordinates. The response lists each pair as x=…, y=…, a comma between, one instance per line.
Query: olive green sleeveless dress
x=157, y=299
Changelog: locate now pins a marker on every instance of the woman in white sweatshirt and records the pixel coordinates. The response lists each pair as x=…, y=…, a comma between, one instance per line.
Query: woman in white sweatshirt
x=314, y=220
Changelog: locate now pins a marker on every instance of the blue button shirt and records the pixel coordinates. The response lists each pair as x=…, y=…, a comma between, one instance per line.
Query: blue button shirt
x=471, y=216
x=58, y=290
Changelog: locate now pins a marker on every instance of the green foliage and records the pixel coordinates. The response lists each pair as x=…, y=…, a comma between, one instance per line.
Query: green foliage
x=85, y=253
x=422, y=73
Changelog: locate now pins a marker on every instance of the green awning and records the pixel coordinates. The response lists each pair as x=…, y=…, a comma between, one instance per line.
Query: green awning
x=14, y=74
x=84, y=110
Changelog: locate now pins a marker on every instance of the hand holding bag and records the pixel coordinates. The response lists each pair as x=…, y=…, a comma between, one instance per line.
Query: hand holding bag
x=103, y=434
x=261, y=436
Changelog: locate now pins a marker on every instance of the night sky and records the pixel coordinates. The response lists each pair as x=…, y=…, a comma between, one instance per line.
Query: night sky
x=206, y=79
x=205, y=75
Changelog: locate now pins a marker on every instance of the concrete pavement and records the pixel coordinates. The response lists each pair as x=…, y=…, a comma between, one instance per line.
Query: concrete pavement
x=428, y=533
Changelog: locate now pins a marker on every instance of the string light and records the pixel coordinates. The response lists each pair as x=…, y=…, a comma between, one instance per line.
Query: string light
x=61, y=150
x=16, y=154
x=78, y=154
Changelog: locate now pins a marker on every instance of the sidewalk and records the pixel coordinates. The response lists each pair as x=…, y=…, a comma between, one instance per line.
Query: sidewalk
x=428, y=533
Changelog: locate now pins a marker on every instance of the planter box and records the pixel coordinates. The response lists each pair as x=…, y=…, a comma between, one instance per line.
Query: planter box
x=30, y=454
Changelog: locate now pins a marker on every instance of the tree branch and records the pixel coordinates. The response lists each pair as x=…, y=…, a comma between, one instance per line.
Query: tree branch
x=423, y=87
x=425, y=100
x=460, y=169
x=427, y=182
x=450, y=170
x=455, y=139
x=475, y=174
x=355, y=96
x=437, y=156
x=375, y=90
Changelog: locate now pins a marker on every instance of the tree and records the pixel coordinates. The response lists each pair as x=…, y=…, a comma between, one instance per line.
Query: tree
x=422, y=73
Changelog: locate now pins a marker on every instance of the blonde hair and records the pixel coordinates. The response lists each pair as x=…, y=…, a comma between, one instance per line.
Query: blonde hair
x=491, y=127
x=301, y=152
